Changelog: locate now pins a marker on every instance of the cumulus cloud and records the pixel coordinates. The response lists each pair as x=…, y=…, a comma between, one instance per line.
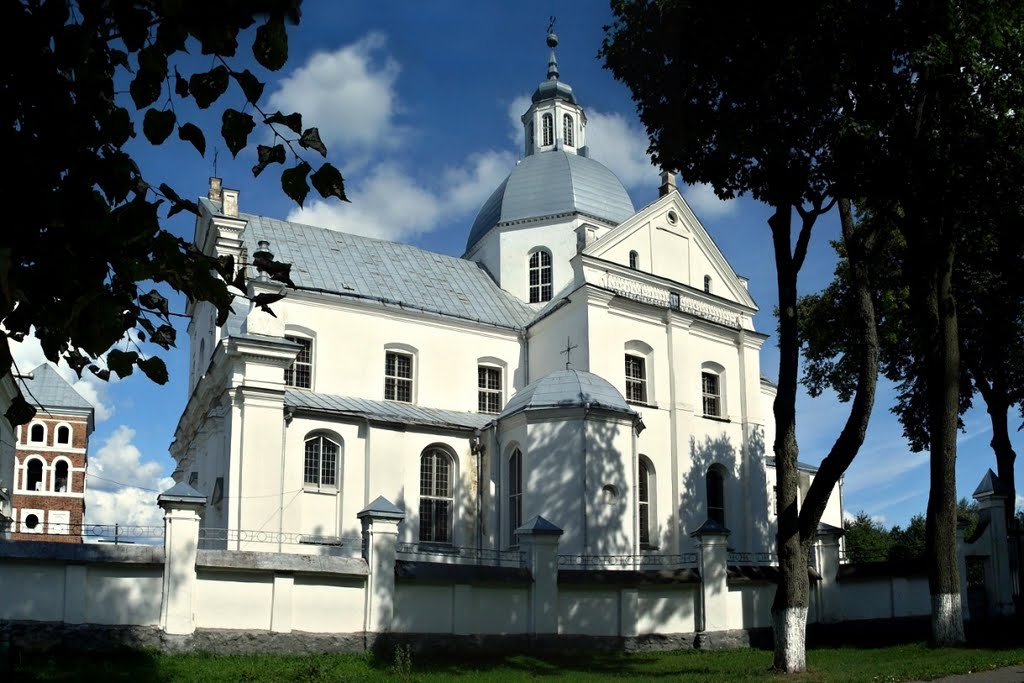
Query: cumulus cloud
x=390, y=204
x=121, y=489
x=349, y=94
x=29, y=355
x=704, y=202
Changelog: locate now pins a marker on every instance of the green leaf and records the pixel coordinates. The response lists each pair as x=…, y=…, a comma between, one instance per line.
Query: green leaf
x=118, y=58
x=180, y=84
x=191, y=133
x=20, y=411
x=251, y=86
x=268, y=155
x=271, y=44
x=145, y=88
x=122, y=362
x=207, y=87
x=102, y=373
x=235, y=129
x=154, y=301
x=157, y=125
x=293, y=182
x=329, y=183
x=153, y=60
x=263, y=301
x=311, y=140
x=164, y=336
x=293, y=121
x=155, y=369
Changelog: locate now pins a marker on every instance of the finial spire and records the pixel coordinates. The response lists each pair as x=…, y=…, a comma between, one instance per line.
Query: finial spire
x=552, y=43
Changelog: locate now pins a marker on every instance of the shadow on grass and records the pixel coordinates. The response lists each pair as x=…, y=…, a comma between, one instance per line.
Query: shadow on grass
x=130, y=666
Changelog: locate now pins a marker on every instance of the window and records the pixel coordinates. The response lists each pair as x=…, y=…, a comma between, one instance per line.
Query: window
x=634, y=260
x=60, y=477
x=488, y=389
x=636, y=379
x=300, y=373
x=37, y=433
x=712, y=394
x=515, y=495
x=31, y=523
x=64, y=435
x=398, y=377
x=540, y=276
x=321, y=462
x=548, y=128
x=435, y=496
x=567, y=130
x=529, y=138
x=34, y=475
x=193, y=479
x=716, y=494
x=644, y=502
x=707, y=284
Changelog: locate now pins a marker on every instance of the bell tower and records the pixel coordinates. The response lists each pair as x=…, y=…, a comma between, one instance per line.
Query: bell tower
x=554, y=121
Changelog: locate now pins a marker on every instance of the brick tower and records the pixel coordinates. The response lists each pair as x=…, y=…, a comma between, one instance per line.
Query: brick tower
x=50, y=460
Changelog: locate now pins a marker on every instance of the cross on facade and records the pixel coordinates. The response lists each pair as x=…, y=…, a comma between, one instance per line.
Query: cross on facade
x=569, y=346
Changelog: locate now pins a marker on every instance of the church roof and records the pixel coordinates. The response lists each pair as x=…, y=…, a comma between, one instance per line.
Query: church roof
x=384, y=411
x=48, y=390
x=550, y=184
x=399, y=274
x=568, y=389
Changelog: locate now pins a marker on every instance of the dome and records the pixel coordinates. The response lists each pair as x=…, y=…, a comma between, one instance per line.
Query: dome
x=553, y=183
x=568, y=389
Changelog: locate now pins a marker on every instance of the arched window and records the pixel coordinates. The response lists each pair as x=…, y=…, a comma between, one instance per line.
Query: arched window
x=711, y=375
x=320, y=467
x=529, y=138
x=634, y=260
x=60, y=476
x=644, y=502
x=34, y=475
x=515, y=494
x=64, y=435
x=435, y=496
x=37, y=433
x=567, y=130
x=540, y=276
x=548, y=128
x=716, y=494
x=707, y=284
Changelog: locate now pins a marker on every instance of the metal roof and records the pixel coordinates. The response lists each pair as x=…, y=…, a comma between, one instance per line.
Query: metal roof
x=48, y=390
x=399, y=274
x=384, y=411
x=553, y=183
x=568, y=389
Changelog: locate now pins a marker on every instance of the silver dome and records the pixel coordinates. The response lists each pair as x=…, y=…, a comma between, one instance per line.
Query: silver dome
x=568, y=389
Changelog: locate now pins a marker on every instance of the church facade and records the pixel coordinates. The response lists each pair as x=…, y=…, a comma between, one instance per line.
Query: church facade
x=584, y=361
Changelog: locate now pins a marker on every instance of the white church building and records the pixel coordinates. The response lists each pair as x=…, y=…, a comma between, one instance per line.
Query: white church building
x=584, y=361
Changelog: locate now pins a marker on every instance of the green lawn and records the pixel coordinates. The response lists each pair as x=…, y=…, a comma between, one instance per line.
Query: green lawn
x=900, y=663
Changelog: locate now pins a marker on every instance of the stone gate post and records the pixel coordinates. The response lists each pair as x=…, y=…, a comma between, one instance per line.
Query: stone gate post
x=380, y=521
x=538, y=541
x=826, y=561
x=713, y=562
x=183, y=507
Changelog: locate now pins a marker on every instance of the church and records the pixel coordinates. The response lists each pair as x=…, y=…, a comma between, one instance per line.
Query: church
x=584, y=361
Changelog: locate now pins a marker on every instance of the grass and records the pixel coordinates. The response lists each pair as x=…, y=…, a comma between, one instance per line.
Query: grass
x=885, y=664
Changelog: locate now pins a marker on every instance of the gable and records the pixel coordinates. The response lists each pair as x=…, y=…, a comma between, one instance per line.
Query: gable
x=671, y=243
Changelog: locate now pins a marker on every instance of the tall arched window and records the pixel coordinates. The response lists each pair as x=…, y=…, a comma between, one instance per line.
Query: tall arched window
x=515, y=494
x=644, y=502
x=34, y=475
x=548, y=127
x=634, y=260
x=567, y=130
x=435, y=496
x=716, y=494
x=320, y=466
x=37, y=433
x=64, y=435
x=540, y=276
x=707, y=284
x=60, y=477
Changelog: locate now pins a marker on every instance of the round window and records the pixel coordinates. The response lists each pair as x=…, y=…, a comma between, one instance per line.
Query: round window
x=609, y=493
x=672, y=218
x=31, y=521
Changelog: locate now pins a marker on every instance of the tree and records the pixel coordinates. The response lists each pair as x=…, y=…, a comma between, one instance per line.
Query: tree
x=866, y=539
x=756, y=100
x=75, y=267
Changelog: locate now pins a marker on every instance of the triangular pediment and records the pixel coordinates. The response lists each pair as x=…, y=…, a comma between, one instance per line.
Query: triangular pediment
x=671, y=243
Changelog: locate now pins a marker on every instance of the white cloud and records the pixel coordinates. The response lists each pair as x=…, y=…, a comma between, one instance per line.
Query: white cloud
x=28, y=355
x=516, y=108
x=704, y=202
x=121, y=488
x=390, y=204
x=349, y=94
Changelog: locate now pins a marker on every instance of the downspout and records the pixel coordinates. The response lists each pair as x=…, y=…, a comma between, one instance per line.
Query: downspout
x=477, y=448
x=636, y=495
x=524, y=339
x=366, y=463
x=676, y=524
x=289, y=414
x=583, y=437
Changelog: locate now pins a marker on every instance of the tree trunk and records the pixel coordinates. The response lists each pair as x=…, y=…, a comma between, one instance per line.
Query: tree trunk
x=789, y=610
x=998, y=406
x=943, y=368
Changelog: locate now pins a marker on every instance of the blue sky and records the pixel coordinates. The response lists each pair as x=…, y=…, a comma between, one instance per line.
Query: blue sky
x=419, y=107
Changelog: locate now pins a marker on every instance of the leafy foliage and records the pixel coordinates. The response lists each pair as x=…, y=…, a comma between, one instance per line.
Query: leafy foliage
x=71, y=267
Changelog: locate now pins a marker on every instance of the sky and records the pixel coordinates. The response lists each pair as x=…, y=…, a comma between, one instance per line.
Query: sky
x=419, y=105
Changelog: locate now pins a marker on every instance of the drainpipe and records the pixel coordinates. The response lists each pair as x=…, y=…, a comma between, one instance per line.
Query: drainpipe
x=583, y=437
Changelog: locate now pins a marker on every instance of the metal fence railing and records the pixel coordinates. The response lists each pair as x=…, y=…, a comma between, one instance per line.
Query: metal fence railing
x=763, y=557
x=623, y=562
x=272, y=541
x=90, y=533
x=445, y=554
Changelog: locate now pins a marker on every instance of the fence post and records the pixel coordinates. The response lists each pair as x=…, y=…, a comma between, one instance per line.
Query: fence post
x=992, y=499
x=826, y=561
x=538, y=541
x=712, y=540
x=183, y=506
x=380, y=520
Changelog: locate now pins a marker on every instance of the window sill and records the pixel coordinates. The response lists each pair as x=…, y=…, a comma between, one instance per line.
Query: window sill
x=642, y=404
x=322, y=490
x=715, y=418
